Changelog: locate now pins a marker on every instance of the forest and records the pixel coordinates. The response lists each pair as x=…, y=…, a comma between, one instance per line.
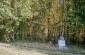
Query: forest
x=42, y=20
x=33, y=27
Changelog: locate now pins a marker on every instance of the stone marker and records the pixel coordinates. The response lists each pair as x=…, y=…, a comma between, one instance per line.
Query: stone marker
x=62, y=43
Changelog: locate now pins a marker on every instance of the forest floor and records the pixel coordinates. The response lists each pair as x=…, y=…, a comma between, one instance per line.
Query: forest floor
x=35, y=48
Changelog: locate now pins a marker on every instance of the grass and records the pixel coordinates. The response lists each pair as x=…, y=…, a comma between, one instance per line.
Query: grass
x=5, y=53
x=50, y=49
x=45, y=48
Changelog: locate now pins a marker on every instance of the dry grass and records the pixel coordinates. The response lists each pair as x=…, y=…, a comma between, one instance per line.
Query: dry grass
x=34, y=48
x=7, y=49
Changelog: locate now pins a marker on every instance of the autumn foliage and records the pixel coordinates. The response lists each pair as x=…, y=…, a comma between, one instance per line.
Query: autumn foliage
x=42, y=20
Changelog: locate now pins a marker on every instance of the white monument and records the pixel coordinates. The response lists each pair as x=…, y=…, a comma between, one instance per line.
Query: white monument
x=61, y=43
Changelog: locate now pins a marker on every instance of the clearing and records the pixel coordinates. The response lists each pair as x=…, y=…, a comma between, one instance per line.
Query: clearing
x=34, y=48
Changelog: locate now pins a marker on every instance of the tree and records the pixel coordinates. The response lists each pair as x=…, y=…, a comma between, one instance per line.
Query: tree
x=74, y=15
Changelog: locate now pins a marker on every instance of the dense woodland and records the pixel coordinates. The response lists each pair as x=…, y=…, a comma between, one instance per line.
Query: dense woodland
x=42, y=20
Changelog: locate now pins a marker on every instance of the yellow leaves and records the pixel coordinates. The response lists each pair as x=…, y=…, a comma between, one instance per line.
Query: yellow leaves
x=79, y=38
x=24, y=8
x=30, y=29
x=51, y=13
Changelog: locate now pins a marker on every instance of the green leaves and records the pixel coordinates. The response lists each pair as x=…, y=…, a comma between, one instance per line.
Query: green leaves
x=33, y=17
x=75, y=18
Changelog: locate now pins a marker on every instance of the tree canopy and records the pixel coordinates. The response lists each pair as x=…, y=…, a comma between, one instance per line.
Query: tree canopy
x=42, y=20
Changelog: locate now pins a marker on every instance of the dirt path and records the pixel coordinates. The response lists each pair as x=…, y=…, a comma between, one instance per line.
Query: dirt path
x=7, y=49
